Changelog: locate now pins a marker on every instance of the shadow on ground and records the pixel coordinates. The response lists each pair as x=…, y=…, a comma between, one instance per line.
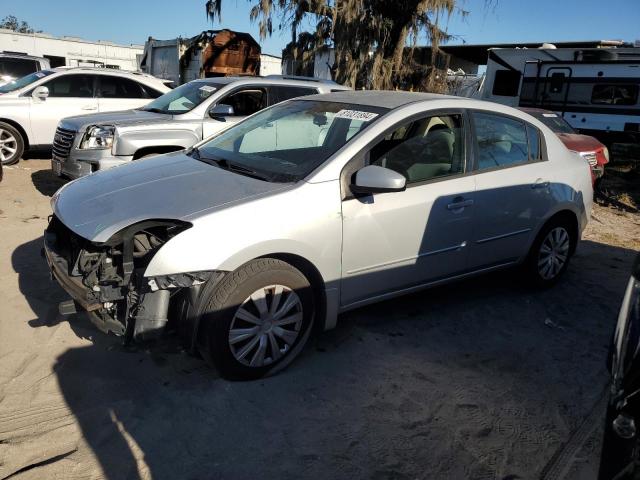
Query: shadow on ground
x=479, y=379
x=46, y=182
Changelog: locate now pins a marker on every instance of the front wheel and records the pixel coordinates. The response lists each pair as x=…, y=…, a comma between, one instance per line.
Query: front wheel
x=550, y=254
x=11, y=144
x=256, y=320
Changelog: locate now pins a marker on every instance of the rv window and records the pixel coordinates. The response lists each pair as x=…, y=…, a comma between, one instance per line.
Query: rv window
x=615, y=94
x=507, y=83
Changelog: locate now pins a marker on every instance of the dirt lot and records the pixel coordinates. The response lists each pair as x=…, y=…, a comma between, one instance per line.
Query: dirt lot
x=485, y=379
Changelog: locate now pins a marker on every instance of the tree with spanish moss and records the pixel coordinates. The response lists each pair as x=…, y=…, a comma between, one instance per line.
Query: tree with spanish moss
x=374, y=40
x=10, y=22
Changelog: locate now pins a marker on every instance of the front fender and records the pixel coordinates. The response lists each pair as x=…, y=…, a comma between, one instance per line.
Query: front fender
x=305, y=221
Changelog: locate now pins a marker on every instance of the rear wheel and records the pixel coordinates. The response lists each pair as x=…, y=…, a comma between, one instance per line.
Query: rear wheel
x=11, y=144
x=550, y=254
x=256, y=320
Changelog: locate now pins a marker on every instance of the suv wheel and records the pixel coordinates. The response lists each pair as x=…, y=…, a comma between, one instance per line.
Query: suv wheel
x=550, y=254
x=256, y=320
x=11, y=144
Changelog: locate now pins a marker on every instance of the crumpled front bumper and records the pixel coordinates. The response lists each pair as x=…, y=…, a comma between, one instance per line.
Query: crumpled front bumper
x=80, y=163
x=72, y=285
x=83, y=297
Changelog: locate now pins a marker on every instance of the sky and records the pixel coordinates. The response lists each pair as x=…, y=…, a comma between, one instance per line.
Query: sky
x=133, y=21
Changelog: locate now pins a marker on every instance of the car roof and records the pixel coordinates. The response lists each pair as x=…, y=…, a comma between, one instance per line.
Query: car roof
x=380, y=98
x=108, y=71
x=273, y=80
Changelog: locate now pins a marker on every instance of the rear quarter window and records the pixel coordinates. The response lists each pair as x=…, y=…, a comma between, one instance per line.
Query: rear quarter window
x=282, y=93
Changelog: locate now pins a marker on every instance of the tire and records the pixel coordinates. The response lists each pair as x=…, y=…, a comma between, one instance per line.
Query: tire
x=11, y=144
x=246, y=339
x=550, y=253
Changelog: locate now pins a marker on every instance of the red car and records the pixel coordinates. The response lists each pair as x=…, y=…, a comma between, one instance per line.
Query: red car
x=588, y=147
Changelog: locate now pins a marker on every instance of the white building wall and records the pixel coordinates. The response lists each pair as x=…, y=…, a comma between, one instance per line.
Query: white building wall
x=75, y=50
x=270, y=65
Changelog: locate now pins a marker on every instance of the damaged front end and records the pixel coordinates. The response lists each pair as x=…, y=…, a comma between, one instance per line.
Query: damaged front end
x=107, y=279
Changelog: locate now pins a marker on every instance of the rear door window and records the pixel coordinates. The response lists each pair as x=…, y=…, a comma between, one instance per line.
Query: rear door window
x=79, y=86
x=119, y=87
x=501, y=141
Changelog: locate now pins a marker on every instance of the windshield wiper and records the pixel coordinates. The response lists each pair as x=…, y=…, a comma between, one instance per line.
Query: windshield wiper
x=227, y=165
x=248, y=172
x=153, y=110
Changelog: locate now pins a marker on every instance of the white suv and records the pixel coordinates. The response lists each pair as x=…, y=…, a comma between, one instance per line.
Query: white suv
x=32, y=106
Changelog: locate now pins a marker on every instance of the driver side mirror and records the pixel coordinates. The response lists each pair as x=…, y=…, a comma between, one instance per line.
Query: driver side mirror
x=218, y=112
x=41, y=93
x=375, y=179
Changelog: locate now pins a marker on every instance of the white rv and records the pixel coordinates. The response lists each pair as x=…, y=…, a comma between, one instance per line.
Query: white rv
x=596, y=89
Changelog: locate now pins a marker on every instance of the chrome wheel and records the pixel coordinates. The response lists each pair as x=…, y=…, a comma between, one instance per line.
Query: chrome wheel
x=554, y=253
x=265, y=326
x=8, y=145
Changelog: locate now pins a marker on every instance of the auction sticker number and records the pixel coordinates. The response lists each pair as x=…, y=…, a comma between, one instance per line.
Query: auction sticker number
x=356, y=115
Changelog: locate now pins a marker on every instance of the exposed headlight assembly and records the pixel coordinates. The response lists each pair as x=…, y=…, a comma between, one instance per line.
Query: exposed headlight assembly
x=98, y=137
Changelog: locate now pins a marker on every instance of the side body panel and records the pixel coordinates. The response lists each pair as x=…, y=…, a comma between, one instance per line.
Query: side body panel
x=397, y=240
x=225, y=239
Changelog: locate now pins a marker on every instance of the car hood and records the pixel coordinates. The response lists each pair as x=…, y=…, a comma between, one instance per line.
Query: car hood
x=168, y=187
x=126, y=117
x=580, y=143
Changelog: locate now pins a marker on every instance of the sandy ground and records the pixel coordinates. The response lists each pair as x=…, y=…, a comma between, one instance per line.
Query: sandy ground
x=484, y=379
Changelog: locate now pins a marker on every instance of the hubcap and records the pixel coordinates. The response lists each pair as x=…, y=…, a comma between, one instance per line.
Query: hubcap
x=8, y=145
x=554, y=253
x=265, y=326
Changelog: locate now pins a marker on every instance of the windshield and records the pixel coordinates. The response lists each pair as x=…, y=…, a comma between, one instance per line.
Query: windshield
x=287, y=142
x=184, y=98
x=24, y=81
x=554, y=121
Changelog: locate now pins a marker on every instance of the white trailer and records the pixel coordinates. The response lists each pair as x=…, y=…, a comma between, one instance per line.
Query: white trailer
x=596, y=90
x=71, y=51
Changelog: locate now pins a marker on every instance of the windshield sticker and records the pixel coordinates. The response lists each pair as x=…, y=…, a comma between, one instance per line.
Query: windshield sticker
x=208, y=89
x=356, y=115
x=550, y=115
x=39, y=74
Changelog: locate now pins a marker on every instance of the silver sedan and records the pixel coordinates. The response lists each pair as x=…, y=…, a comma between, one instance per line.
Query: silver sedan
x=255, y=238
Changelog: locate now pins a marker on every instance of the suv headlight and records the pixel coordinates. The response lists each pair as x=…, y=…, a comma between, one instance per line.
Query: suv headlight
x=98, y=138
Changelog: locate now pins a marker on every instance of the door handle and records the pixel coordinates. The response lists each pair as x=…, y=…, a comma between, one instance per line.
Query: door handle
x=540, y=184
x=90, y=107
x=458, y=204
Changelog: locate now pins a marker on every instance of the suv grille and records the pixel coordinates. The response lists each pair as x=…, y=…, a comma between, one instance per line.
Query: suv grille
x=62, y=142
x=591, y=158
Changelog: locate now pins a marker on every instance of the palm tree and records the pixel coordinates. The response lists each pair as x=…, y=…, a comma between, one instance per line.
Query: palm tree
x=373, y=39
